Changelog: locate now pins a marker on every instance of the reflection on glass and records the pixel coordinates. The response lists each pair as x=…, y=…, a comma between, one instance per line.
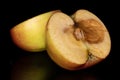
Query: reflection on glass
x=40, y=67
x=32, y=67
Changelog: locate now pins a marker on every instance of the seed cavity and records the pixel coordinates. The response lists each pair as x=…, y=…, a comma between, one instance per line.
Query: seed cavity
x=90, y=30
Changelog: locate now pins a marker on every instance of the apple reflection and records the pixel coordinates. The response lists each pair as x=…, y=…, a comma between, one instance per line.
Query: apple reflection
x=41, y=67
x=32, y=67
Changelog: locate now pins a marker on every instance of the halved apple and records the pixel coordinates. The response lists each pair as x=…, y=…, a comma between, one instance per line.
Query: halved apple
x=77, y=42
x=30, y=34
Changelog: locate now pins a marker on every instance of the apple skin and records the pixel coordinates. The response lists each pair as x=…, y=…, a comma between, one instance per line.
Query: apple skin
x=30, y=34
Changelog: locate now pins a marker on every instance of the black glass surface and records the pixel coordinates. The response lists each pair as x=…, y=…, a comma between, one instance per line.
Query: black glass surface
x=17, y=64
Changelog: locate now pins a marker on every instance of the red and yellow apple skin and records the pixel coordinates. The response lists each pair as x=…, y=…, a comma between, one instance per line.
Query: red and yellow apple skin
x=30, y=34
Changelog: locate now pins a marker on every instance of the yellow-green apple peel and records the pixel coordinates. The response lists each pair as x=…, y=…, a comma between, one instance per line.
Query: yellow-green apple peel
x=30, y=34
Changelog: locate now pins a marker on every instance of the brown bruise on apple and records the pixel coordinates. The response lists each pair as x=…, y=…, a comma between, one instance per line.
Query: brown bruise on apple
x=77, y=42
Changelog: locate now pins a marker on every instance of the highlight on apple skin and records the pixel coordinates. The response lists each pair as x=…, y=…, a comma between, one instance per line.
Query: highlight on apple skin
x=29, y=35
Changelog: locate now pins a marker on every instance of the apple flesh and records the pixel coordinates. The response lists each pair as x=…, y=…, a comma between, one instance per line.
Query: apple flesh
x=61, y=44
x=30, y=34
x=77, y=42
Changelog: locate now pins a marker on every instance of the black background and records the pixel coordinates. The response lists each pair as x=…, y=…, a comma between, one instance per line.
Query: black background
x=14, y=12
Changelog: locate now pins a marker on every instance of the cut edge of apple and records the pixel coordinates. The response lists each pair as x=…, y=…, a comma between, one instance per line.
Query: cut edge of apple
x=82, y=54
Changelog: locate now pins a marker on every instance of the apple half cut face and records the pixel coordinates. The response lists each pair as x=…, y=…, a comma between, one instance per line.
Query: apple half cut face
x=77, y=42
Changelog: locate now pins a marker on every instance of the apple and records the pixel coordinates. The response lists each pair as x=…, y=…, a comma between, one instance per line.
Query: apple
x=77, y=42
x=29, y=35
